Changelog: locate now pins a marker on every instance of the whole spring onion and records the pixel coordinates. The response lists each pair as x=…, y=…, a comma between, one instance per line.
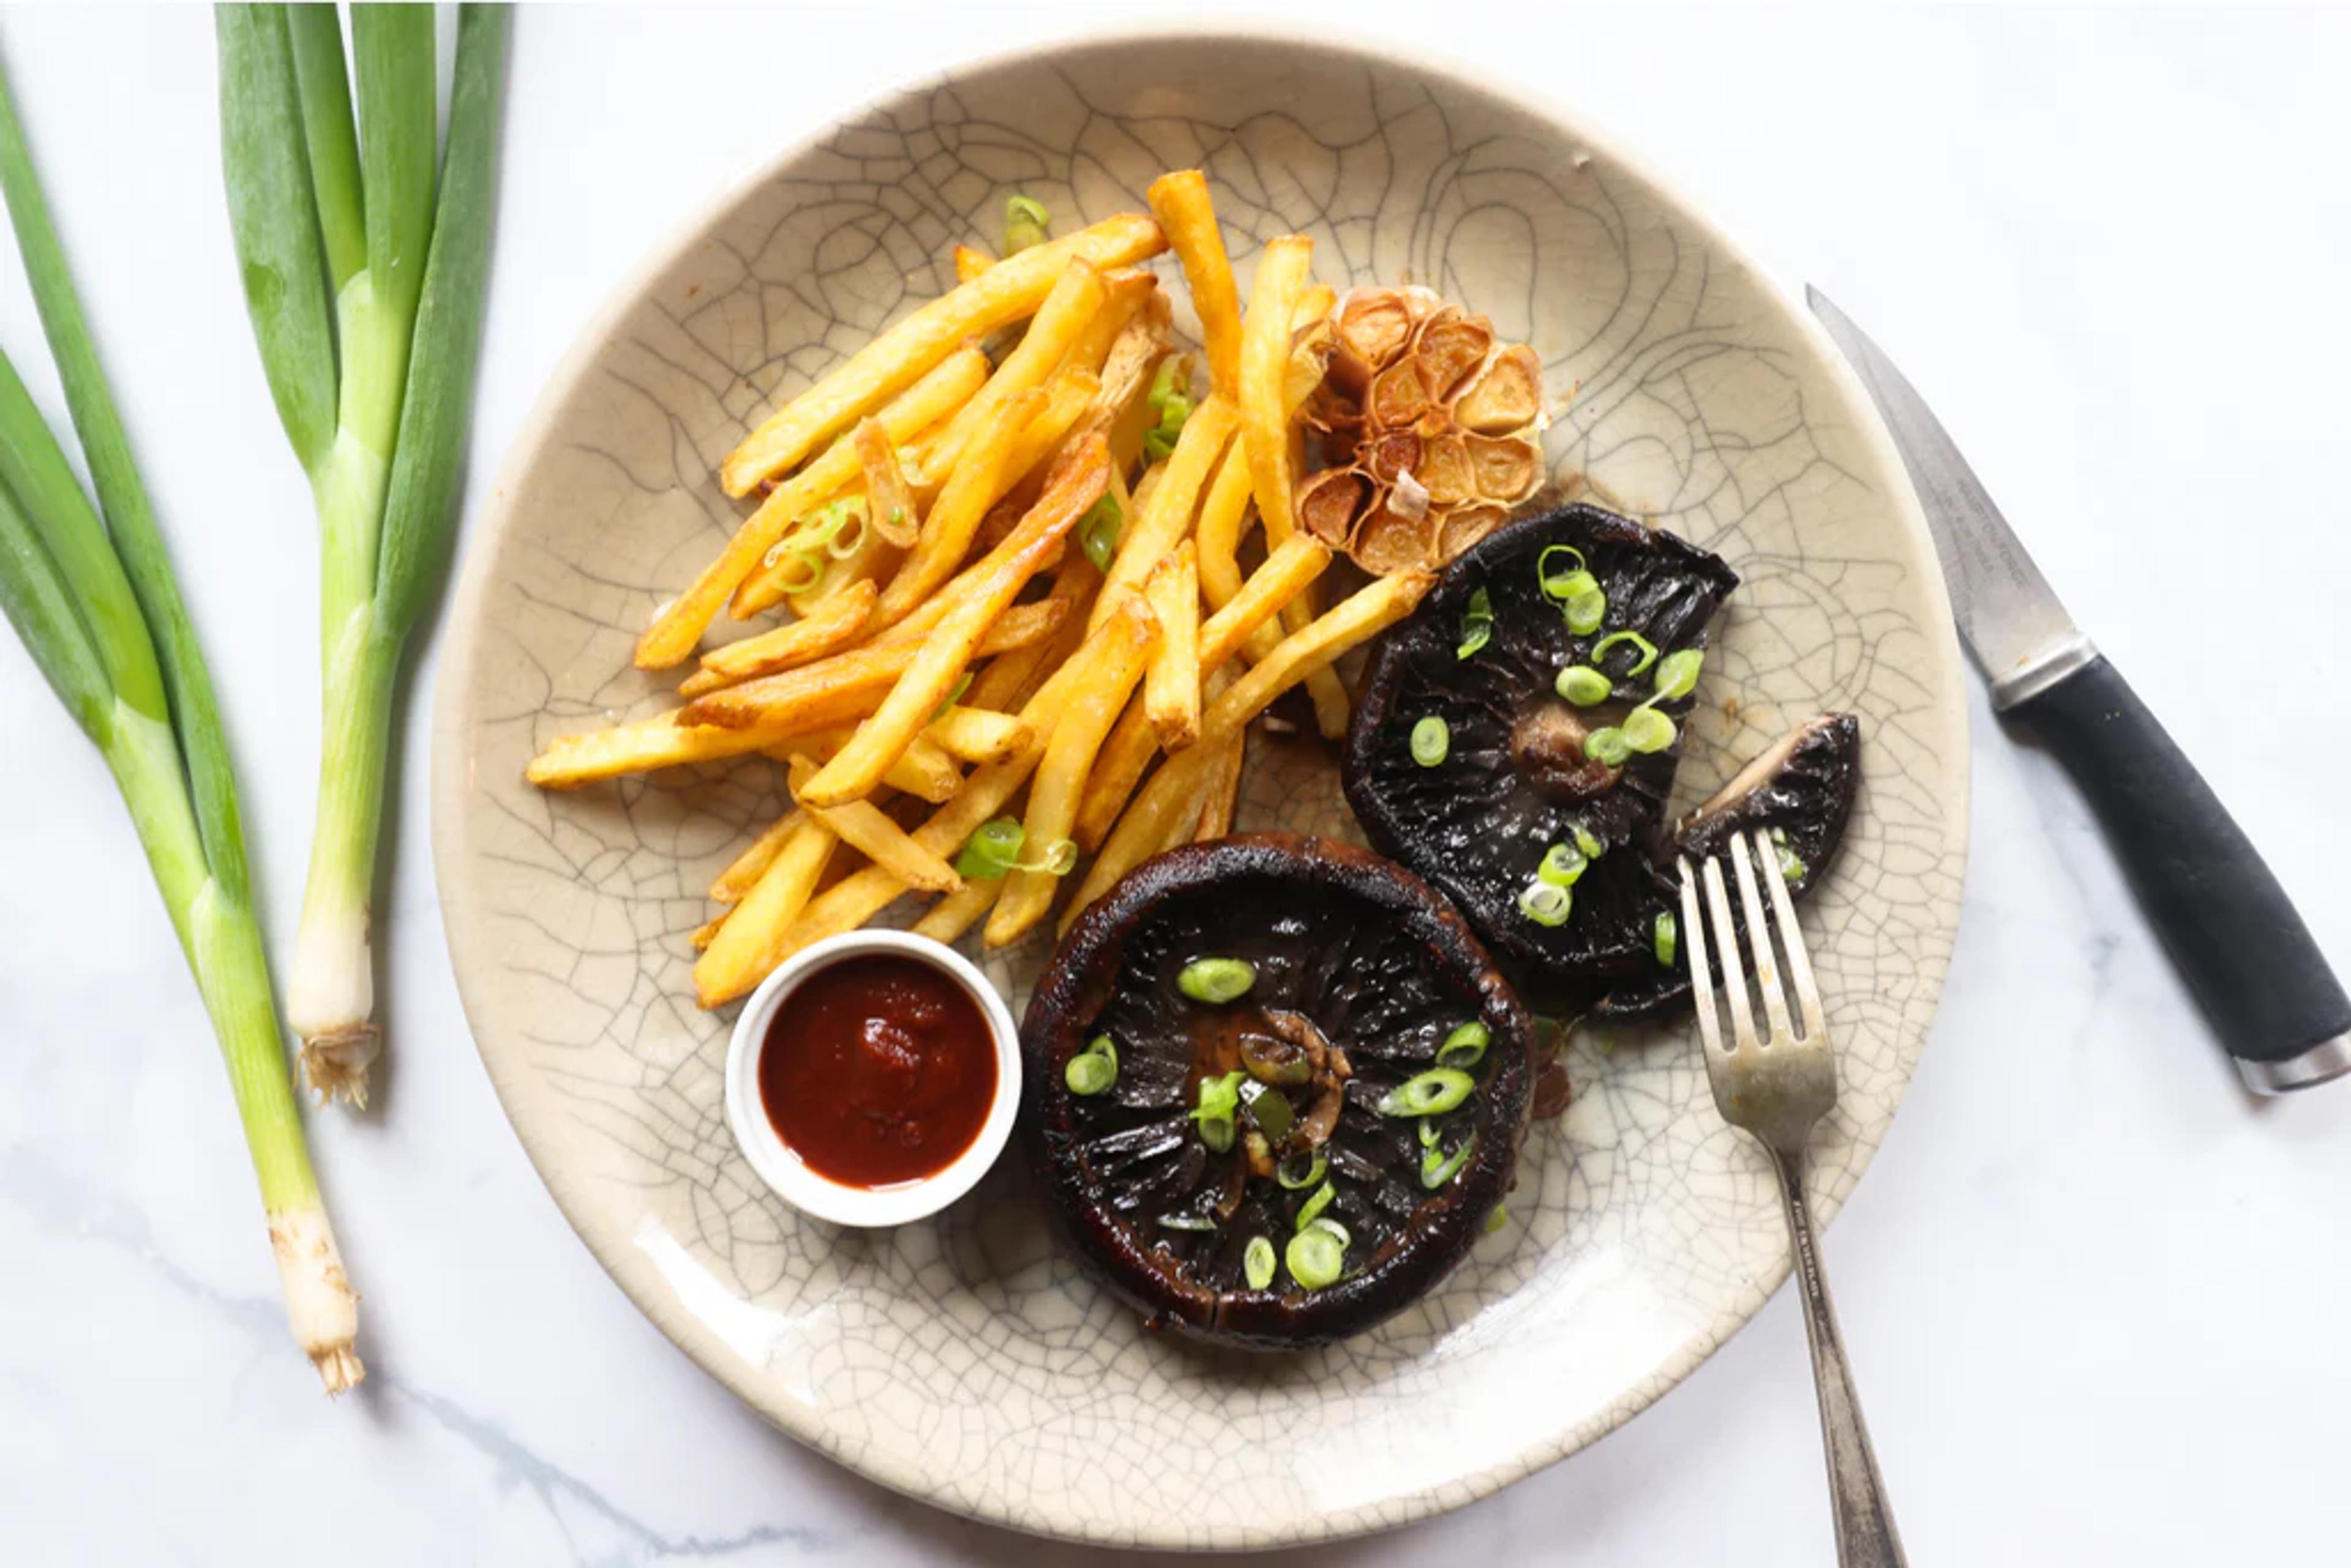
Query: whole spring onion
x=1217, y=979
x=364, y=276
x=98, y=609
x=1432, y=738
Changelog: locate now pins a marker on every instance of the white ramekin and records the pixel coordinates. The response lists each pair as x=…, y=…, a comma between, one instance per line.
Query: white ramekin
x=785, y=1171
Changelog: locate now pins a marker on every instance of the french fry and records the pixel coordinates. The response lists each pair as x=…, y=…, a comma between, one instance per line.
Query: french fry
x=771, y=700
x=1223, y=520
x=1111, y=661
x=1215, y=819
x=1265, y=354
x=707, y=932
x=978, y=479
x=926, y=772
x=681, y=624
x=746, y=868
x=977, y=735
x=742, y=951
x=1180, y=202
x=970, y=263
x=870, y=559
x=1171, y=692
x=833, y=625
x=1164, y=516
x=664, y=741
x=1077, y=296
x=1127, y=291
x=1314, y=304
x=863, y=827
x=1011, y=679
x=1281, y=579
x=958, y=913
x=1122, y=412
x=889, y=508
x=1178, y=792
x=1069, y=395
x=1076, y=483
x=930, y=680
x=1003, y=294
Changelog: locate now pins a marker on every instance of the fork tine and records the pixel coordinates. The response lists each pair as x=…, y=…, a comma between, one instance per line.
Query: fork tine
x=1725, y=947
x=1791, y=937
x=1709, y=1018
x=1759, y=942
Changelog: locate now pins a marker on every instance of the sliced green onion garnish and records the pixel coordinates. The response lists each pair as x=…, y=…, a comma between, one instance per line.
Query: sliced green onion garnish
x=1257, y=1262
x=1559, y=587
x=1589, y=842
x=1220, y=1097
x=1298, y=1172
x=1217, y=980
x=1437, y=1169
x=1325, y=1223
x=1647, y=731
x=1316, y=1258
x=1477, y=624
x=1546, y=903
x=1664, y=937
x=1025, y=218
x=1562, y=865
x=1642, y=645
x=1792, y=865
x=991, y=850
x=1466, y=1046
x=1429, y=1134
x=1431, y=1093
x=1497, y=1218
x=1157, y=445
x=1678, y=675
x=1569, y=587
x=1586, y=611
x=1094, y=1069
x=1269, y=1108
x=1607, y=747
x=1172, y=403
x=1316, y=1202
x=1060, y=859
x=1192, y=1222
x=1582, y=686
x=1431, y=737
x=953, y=696
x=1099, y=531
x=1217, y=1133
x=1162, y=384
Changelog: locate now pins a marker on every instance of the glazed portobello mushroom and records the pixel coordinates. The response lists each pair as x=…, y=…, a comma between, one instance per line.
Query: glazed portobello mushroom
x=1516, y=742
x=1312, y=1094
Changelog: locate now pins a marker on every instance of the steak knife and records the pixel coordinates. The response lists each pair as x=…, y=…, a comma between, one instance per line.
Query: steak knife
x=2229, y=927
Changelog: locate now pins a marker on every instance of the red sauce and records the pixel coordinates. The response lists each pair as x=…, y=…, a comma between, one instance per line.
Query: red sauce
x=878, y=1070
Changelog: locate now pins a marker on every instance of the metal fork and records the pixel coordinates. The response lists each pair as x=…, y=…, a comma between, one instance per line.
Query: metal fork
x=1778, y=1090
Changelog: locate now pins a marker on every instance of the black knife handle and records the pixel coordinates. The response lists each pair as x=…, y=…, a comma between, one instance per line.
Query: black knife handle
x=2232, y=932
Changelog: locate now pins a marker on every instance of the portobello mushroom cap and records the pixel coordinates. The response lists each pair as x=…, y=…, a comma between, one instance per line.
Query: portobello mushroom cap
x=1361, y=974
x=1515, y=779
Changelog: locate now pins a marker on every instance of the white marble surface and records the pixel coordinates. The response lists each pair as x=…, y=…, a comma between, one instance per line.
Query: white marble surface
x=2093, y=1292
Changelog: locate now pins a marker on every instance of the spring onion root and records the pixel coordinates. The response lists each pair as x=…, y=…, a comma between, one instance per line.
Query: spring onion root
x=364, y=277
x=97, y=607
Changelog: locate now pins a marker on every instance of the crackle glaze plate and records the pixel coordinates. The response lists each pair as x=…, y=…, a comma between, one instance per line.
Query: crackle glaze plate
x=966, y=1360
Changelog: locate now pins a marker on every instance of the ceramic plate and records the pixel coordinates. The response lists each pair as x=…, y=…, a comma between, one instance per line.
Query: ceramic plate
x=966, y=1360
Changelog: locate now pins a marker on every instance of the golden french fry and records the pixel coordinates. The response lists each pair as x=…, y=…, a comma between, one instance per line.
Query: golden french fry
x=833, y=625
x=926, y=772
x=1126, y=291
x=1164, y=517
x=746, y=868
x=1314, y=302
x=1224, y=522
x=1171, y=692
x=1280, y=580
x=870, y=559
x=970, y=263
x=682, y=621
x=958, y=913
x=1011, y=679
x=742, y=951
x=1180, y=202
x=664, y=741
x=977, y=735
x=1215, y=819
x=1122, y=412
x=930, y=680
x=978, y=479
x=771, y=700
x=889, y=508
x=1170, y=802
x=1077, y=298
x=1111, y=661
x=1265, y=354
x=863, y=827
x=707, y=932
x=1003, y=294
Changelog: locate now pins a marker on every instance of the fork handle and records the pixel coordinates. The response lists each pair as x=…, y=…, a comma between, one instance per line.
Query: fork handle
x=1865, y=1536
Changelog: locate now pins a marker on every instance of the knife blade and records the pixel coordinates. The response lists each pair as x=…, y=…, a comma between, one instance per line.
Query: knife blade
x=2230, y=929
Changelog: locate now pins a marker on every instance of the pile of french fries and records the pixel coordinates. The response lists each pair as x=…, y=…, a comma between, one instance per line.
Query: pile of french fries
x=1015, y=589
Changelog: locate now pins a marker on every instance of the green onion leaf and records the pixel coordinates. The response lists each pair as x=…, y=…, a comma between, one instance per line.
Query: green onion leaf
x=1477, y=624
x=1099, y=531
x=1430, y=1092
x=1647, y=650
x=1582, y=686
x=1546, y=903
x=1431, y=739
x=1316, y=1202
x=1607, y=747
x=1466, y=1046
x=1257, y=1262
x=1437, y=1168
x=1562, y=586
x=1664, y=937
x=1298, y=1172
x=1646, y=730
x=1329, y=1226
x=1562, y=865
x=1678, y=675
x=1316, y=1258
x=991, y=850
x=1429, y=1134
x=1217, y=980
x=1157, y=445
